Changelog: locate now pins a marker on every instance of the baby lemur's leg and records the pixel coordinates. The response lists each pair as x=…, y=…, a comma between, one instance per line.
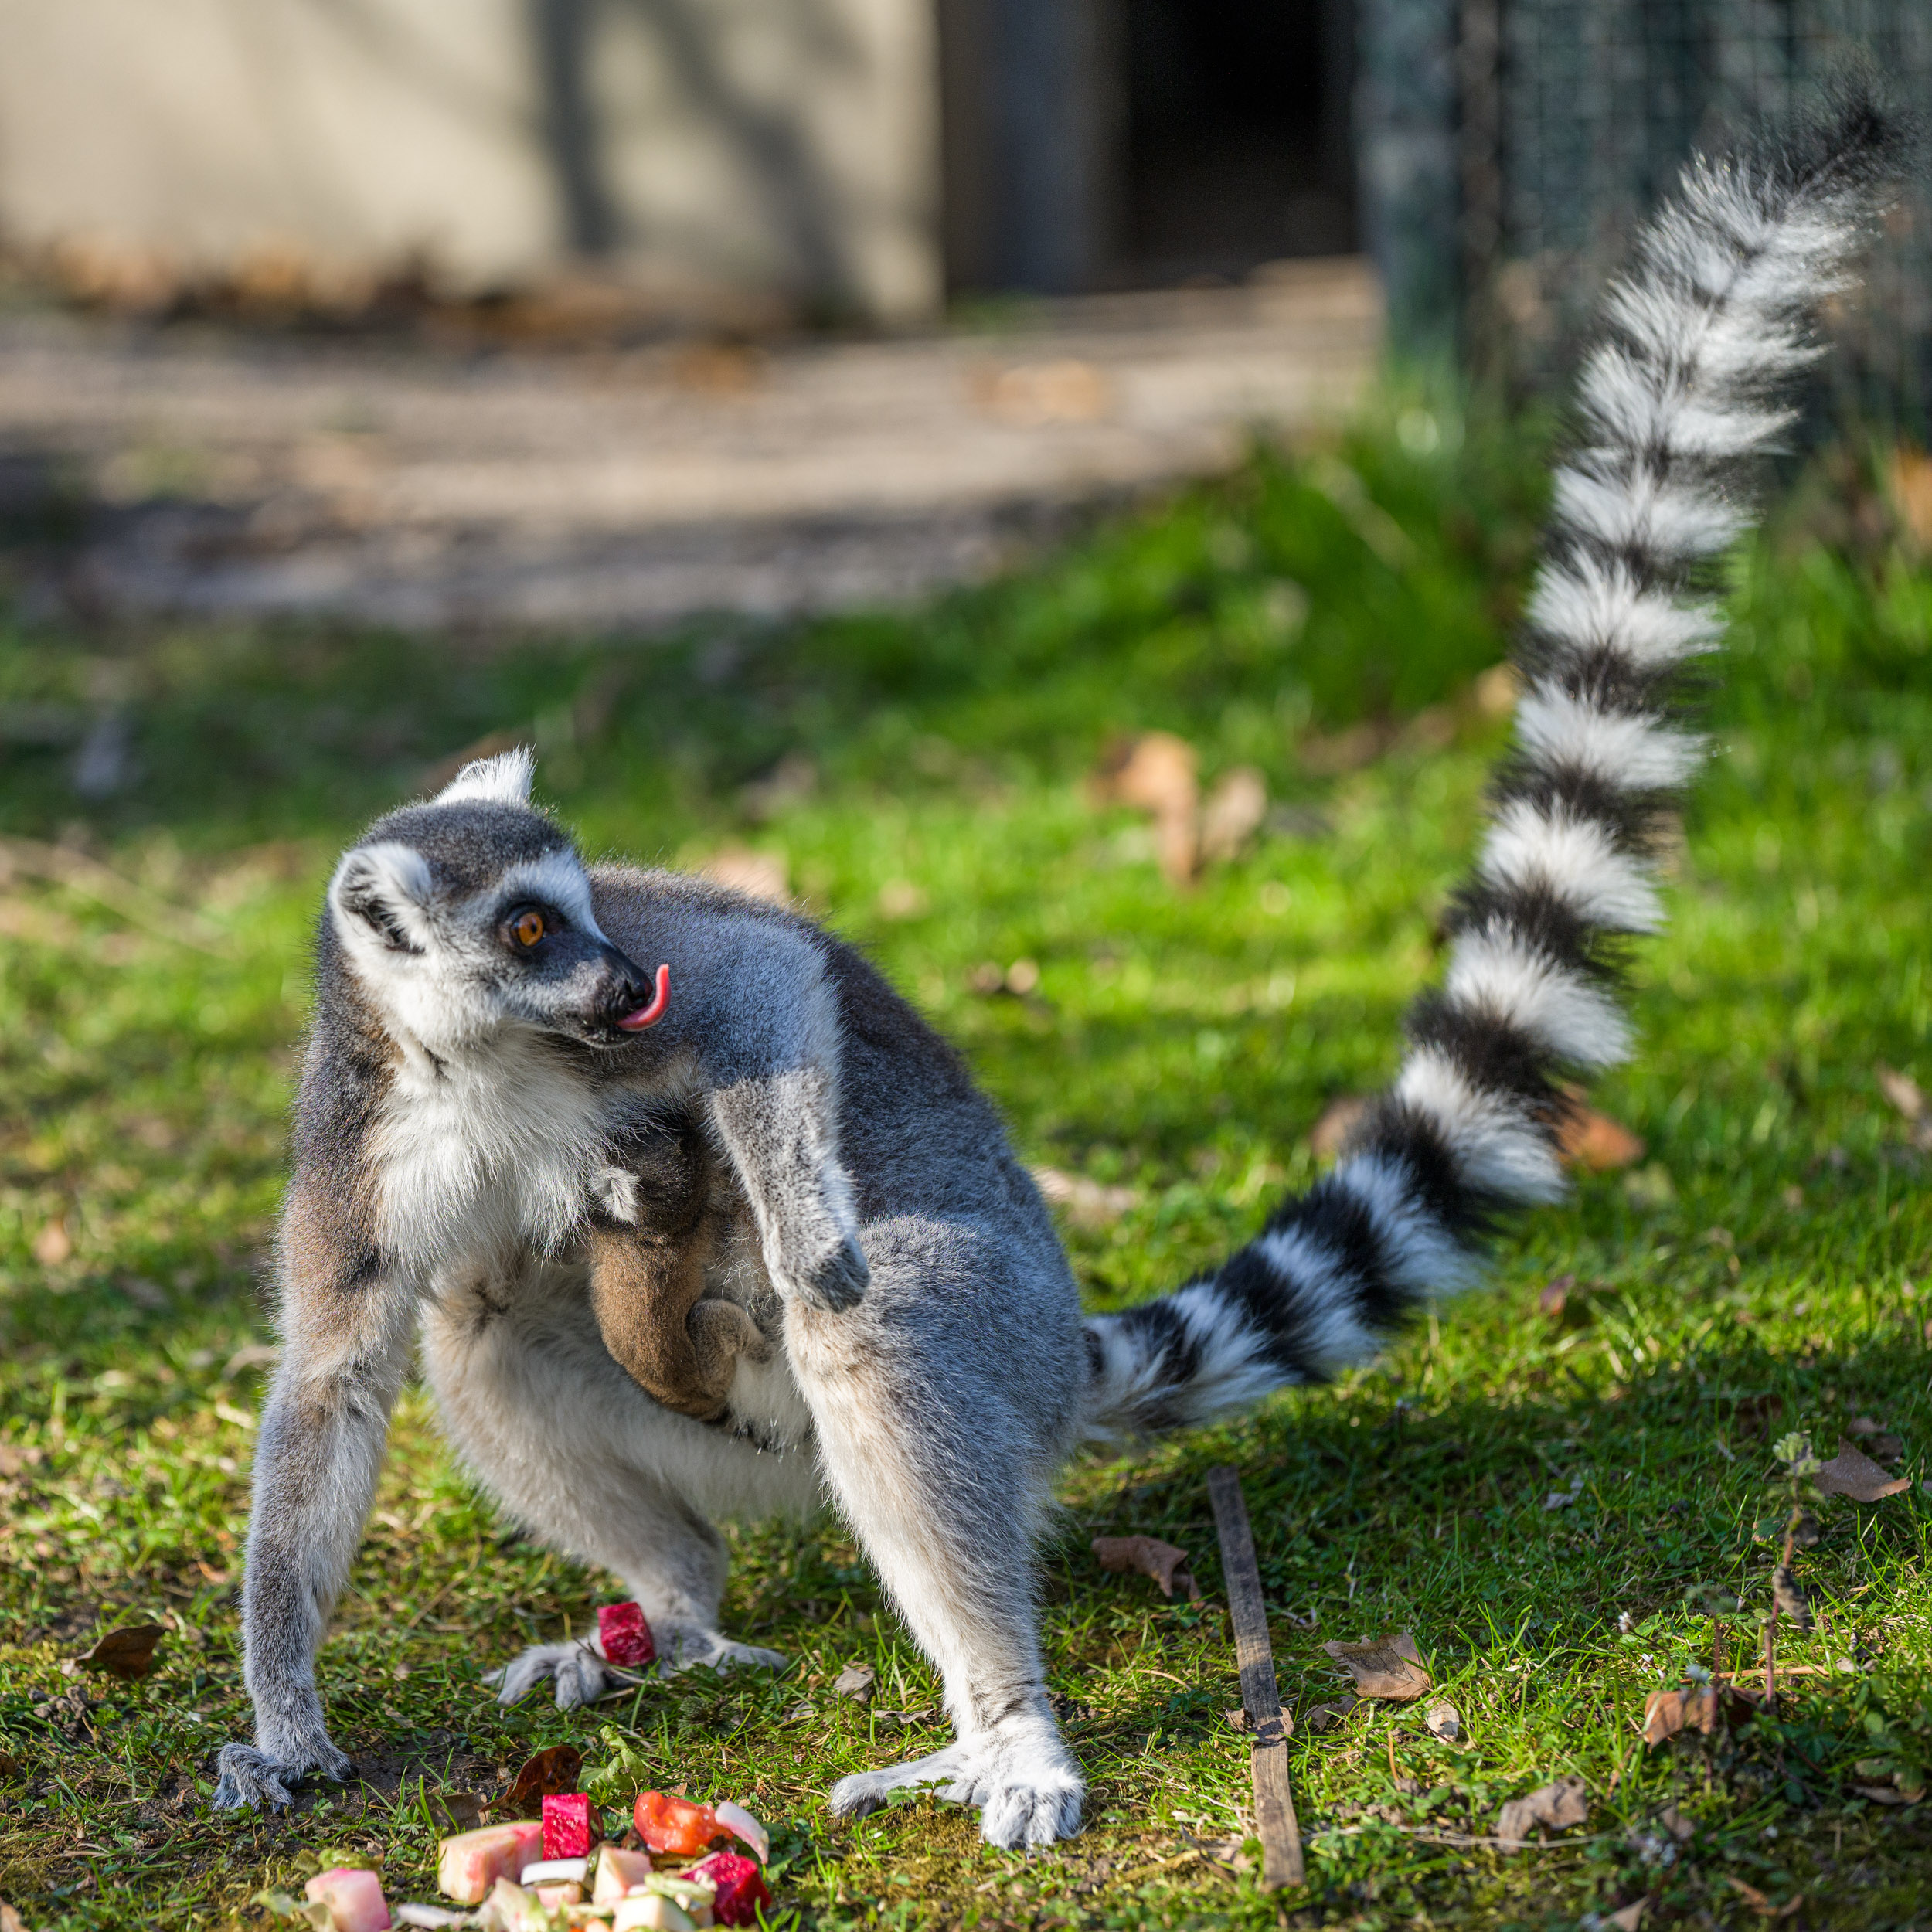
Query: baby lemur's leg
x=595, y=1468
x=651, y=1239
x=942, y=1464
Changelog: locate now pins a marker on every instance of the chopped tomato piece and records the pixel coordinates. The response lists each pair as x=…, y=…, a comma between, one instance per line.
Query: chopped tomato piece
x=676, y=1825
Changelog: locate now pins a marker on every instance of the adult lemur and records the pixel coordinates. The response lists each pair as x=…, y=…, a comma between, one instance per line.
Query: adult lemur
x=469, y=1070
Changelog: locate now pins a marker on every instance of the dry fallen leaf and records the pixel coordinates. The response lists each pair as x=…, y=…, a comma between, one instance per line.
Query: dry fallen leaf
x=1150, y=1557
x=1155, y=772
x=1388, y=1668
x=1087, y=1203
x=1668, y=1712
x=10, y=1920
x=1759, y=1902
x=1556, y=1807
x=1630, y=1917
x=550, y=1774
x=53, y=1245
x=758, y=875
x=1679, y=1827
x=1788, y=1594
x=856, y=1681
x=462, y=1811
x=1233, y=813
x=1852, y=1473
x=1903, y=1091
x=1321, y=1717
x=1337, y=1121
x=1555, y=1295
x=1444, y=1720
x=1594, y=1142
x=127, y=1652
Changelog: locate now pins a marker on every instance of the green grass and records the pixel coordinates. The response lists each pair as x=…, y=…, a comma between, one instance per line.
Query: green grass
x=1766, y=1271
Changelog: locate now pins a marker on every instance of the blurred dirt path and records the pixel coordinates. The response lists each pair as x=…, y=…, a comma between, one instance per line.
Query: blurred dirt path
x=219, y=475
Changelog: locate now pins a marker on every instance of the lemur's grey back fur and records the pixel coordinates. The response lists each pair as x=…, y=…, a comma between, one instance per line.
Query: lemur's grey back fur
x=933, y=1371
x=1704, y=330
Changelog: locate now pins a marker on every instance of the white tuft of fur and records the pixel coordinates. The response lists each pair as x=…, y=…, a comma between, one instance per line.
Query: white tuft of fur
x=1599, y=606
x=1496, y=974
x=504, y=779
x=1623, y=748
x=1576, y=860
x=1498, y=1149
x=1422, y=1256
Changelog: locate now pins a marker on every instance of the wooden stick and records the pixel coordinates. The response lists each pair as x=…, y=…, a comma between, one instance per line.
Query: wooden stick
x=1260, y=1696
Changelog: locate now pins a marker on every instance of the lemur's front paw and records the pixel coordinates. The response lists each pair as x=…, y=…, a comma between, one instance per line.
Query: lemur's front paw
x=578, y=1667
x=837, y=1279
x=249, y=1777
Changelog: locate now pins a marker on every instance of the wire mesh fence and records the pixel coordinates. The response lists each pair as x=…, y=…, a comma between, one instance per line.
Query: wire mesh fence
x=1575, y=115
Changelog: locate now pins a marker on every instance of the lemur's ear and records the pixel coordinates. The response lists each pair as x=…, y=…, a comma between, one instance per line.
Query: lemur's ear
x=384, y=890
x=504, y=779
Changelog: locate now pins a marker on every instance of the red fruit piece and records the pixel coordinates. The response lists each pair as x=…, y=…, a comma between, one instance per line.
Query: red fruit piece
x=628, y=1642
x=675, y=1824
x=567, y=1826
x=741, y=1887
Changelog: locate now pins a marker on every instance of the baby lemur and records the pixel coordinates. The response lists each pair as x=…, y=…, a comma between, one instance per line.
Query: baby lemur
x=479, y=1062
x=663, y=1222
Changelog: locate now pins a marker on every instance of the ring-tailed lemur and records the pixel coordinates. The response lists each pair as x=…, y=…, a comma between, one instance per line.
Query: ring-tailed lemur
x=931, y=1368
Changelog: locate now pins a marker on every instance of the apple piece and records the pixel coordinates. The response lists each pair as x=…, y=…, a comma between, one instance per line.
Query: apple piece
x=354, y=1898
x=551, y=1896
x=741, y=1888
x=651, y=1912
x=431, y=1916
x=625, y=1636
x=554, y=1871
x=566, y=1825
x=744, y=1825
x=467, y=1864
x=510, y=1909
x=675, y=1824
x=617, y=1871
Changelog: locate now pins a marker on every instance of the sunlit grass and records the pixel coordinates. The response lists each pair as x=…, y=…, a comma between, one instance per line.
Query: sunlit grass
x=1775, y=1244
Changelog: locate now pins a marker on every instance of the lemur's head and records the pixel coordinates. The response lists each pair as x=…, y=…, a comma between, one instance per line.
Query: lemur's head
x=471, y=914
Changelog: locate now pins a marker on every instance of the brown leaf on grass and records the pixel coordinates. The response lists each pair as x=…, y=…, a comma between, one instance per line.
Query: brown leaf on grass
x=1594, y=1142
x=1789, y=1596
x=1759, y=1902
x=461, y=1810
x=1696, y=1707
x=1322, y=1717
x=1336, y=1122
x=1155, y=773
x=1555, y=1295
x=1852, y=1473
x=1086, y=1203
x=550, y=1774
x=10, y=1920
x=1555, y=1807
x=856, y=1682
x=1442, y=1719
x=1150, y=1557
x=1903, y=1091
x=127, y=1652
x=1387, y=1668
x=1630, y=1917
x=1232, y=814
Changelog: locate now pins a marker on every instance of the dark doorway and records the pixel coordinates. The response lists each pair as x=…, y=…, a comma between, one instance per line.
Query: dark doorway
x=1237, y=149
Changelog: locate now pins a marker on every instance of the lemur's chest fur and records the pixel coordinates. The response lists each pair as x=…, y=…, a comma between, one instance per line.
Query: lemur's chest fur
x=482, y=1153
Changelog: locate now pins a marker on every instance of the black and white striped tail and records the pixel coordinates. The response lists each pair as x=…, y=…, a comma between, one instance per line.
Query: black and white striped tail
x=1701, y=340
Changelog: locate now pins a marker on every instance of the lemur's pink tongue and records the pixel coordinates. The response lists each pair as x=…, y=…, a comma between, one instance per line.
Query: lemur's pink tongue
x=649, y=1015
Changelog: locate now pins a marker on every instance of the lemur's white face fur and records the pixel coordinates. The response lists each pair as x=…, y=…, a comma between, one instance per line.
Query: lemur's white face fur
x=472, y=914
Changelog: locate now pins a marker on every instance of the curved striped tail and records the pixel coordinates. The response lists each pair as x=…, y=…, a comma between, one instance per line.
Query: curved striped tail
x=1702, y=336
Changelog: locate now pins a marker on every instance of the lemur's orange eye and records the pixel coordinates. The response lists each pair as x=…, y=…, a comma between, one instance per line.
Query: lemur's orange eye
x=527, y=928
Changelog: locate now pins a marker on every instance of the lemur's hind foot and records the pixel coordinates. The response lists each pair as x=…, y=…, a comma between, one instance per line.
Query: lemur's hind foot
x=1022, y=1779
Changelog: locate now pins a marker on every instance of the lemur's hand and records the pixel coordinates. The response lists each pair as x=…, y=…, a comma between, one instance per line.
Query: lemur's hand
x=837, y=1279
